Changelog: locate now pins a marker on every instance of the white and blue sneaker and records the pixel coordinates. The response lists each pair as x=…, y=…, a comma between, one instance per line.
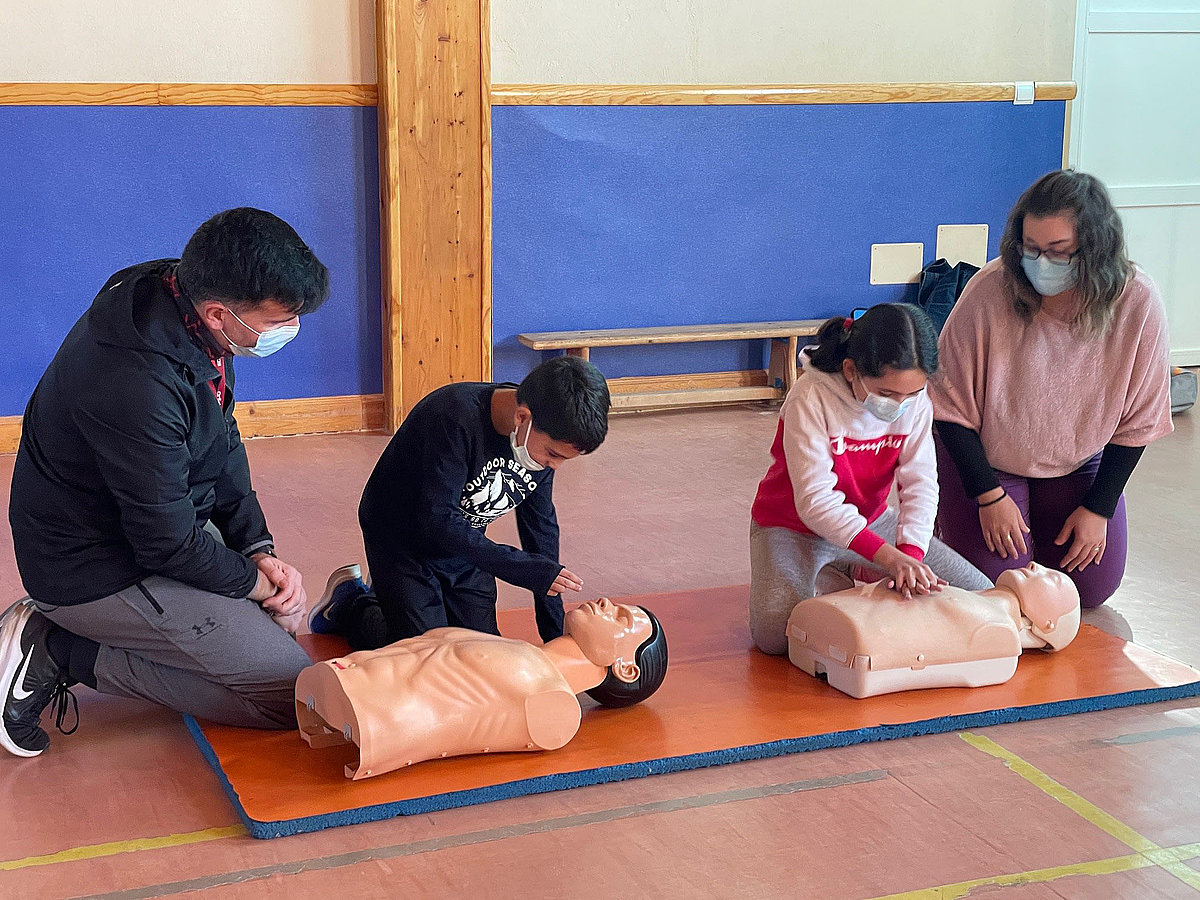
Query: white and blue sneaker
x=344, y=590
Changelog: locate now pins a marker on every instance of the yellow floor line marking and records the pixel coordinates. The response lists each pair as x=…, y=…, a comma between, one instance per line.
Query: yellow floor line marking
x=94, y=851
x=1183, y=872
x=1063, y=795
x=963, y=888
x=1170, y=859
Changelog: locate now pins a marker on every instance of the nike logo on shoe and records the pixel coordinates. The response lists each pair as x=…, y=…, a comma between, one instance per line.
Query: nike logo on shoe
x=18, y=686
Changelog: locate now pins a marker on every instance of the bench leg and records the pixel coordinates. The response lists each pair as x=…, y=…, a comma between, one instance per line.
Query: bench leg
x=781, y=372
x=581, y=352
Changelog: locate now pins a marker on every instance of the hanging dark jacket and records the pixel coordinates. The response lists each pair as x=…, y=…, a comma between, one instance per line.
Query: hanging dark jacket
x=126, y=454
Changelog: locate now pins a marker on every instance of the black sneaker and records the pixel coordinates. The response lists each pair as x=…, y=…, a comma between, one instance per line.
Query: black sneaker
x=30, y=680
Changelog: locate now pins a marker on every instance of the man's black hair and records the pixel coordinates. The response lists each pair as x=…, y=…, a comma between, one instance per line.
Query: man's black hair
x=569, y=400
x=651, y=659
x=244, y=256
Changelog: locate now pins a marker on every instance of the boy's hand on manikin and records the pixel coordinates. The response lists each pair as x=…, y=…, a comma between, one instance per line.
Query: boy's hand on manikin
x=566, y=581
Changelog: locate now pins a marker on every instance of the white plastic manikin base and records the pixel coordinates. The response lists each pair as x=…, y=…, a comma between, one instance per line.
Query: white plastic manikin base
x=868, y=640
x=858, y=679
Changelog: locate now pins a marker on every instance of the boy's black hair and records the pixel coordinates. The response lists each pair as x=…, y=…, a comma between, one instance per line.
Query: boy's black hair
x=569, y=400
x=651, y=659
x=244, y=256
x=899, y=335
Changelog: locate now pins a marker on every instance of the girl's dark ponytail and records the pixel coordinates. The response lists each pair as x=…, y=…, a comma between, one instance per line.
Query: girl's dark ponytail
x=833, y=339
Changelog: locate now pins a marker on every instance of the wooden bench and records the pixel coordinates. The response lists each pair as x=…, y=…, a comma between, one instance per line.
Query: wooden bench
x=703, y=389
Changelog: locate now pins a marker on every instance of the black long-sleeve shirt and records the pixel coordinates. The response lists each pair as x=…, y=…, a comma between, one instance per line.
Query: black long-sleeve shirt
x=446, y=475
x=978, y=477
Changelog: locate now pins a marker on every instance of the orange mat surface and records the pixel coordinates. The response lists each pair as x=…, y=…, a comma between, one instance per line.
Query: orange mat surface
x=722, y=701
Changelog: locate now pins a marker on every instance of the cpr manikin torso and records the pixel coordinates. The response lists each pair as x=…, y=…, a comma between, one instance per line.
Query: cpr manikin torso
x=452, y=691
x=869, y=640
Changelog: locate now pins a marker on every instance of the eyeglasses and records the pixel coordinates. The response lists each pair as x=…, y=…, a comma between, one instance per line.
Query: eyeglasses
x=1054, y=256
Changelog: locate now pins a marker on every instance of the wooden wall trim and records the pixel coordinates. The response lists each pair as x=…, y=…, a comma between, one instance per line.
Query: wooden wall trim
x=269, y=418
x=697, y=381
x=737, y=94
x=34, y=93
x=389, y=117
x=485, y=102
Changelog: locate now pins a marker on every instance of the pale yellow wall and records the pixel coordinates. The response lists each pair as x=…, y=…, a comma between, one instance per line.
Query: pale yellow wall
x=782, y=41
x=235, y=41
x=571, y=41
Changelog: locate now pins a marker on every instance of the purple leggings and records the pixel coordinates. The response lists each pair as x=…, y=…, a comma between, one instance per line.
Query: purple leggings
x=1045, y=503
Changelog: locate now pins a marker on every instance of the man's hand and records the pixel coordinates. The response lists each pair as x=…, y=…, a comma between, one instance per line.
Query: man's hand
x=291, y=624
x=566, y=581
x=288, y=597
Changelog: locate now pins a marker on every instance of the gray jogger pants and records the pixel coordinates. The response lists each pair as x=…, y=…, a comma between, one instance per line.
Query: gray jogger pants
x=785, y=564
x=214, y=657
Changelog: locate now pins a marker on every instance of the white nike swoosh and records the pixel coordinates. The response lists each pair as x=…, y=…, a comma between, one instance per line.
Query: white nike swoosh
x=18, y=688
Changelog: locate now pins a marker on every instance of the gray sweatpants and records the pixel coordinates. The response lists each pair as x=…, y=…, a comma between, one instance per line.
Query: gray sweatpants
x=214, y=657
x=785, y=565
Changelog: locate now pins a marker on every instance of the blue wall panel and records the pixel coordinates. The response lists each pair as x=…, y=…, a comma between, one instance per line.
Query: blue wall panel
x=608, y=217
x=88, y=190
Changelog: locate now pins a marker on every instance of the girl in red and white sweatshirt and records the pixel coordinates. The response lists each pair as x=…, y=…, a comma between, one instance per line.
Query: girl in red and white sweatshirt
x=857, y=421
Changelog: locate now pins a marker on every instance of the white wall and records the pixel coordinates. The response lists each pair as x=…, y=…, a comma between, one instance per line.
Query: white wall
x=232, y=41
x=781, y=41
x=1136, y=126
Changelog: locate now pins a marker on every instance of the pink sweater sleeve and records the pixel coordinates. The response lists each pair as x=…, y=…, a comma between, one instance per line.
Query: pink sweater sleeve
x=1147, y=413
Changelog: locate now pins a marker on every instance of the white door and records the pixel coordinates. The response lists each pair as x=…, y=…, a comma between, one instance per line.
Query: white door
x=1136, y=126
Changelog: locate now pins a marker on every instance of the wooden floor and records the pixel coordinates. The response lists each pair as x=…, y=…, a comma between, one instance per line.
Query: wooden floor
x=1096, y=805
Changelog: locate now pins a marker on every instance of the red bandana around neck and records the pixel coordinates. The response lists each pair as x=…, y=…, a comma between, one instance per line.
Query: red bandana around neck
x=199, y=335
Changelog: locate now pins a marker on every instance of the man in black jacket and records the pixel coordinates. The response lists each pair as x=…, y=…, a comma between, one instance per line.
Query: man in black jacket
x=129, y=459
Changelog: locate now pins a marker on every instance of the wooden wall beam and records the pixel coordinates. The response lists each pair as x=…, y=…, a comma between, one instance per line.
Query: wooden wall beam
x=40, y=93
x=431, y=127
x=739, y=94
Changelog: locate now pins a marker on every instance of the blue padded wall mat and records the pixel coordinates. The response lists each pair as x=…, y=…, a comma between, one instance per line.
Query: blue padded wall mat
x=91, y=189
x=611, y=217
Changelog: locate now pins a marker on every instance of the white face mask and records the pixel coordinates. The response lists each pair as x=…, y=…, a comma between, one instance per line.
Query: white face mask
x=521, y=453
x=885, y=409
x=1050, y=278
x=268, y=341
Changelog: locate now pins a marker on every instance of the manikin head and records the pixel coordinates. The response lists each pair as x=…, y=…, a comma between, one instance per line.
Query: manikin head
x=1048, y=599
x=628, y=641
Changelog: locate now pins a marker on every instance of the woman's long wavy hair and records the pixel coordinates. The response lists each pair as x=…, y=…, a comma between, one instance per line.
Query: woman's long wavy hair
x=1104, y=267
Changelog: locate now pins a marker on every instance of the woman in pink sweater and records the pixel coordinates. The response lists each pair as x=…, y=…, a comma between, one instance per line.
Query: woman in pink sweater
x=856, y=422
x=1054, y=379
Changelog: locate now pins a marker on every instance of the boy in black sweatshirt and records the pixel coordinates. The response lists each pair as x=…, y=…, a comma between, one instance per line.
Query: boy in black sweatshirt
x=467, y=454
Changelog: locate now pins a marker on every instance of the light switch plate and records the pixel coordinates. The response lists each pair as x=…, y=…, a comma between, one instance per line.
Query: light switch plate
x=962, y=243
x=896, y=263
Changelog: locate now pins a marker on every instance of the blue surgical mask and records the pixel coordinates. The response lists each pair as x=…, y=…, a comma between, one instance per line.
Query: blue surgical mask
x=268, y=341
x=885, y=409
x=1050, y=278
x=521, y=453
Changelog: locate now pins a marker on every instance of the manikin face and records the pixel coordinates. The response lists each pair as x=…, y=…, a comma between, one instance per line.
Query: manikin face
x=1048, y=599
x=609, y=634
x=543, y=448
